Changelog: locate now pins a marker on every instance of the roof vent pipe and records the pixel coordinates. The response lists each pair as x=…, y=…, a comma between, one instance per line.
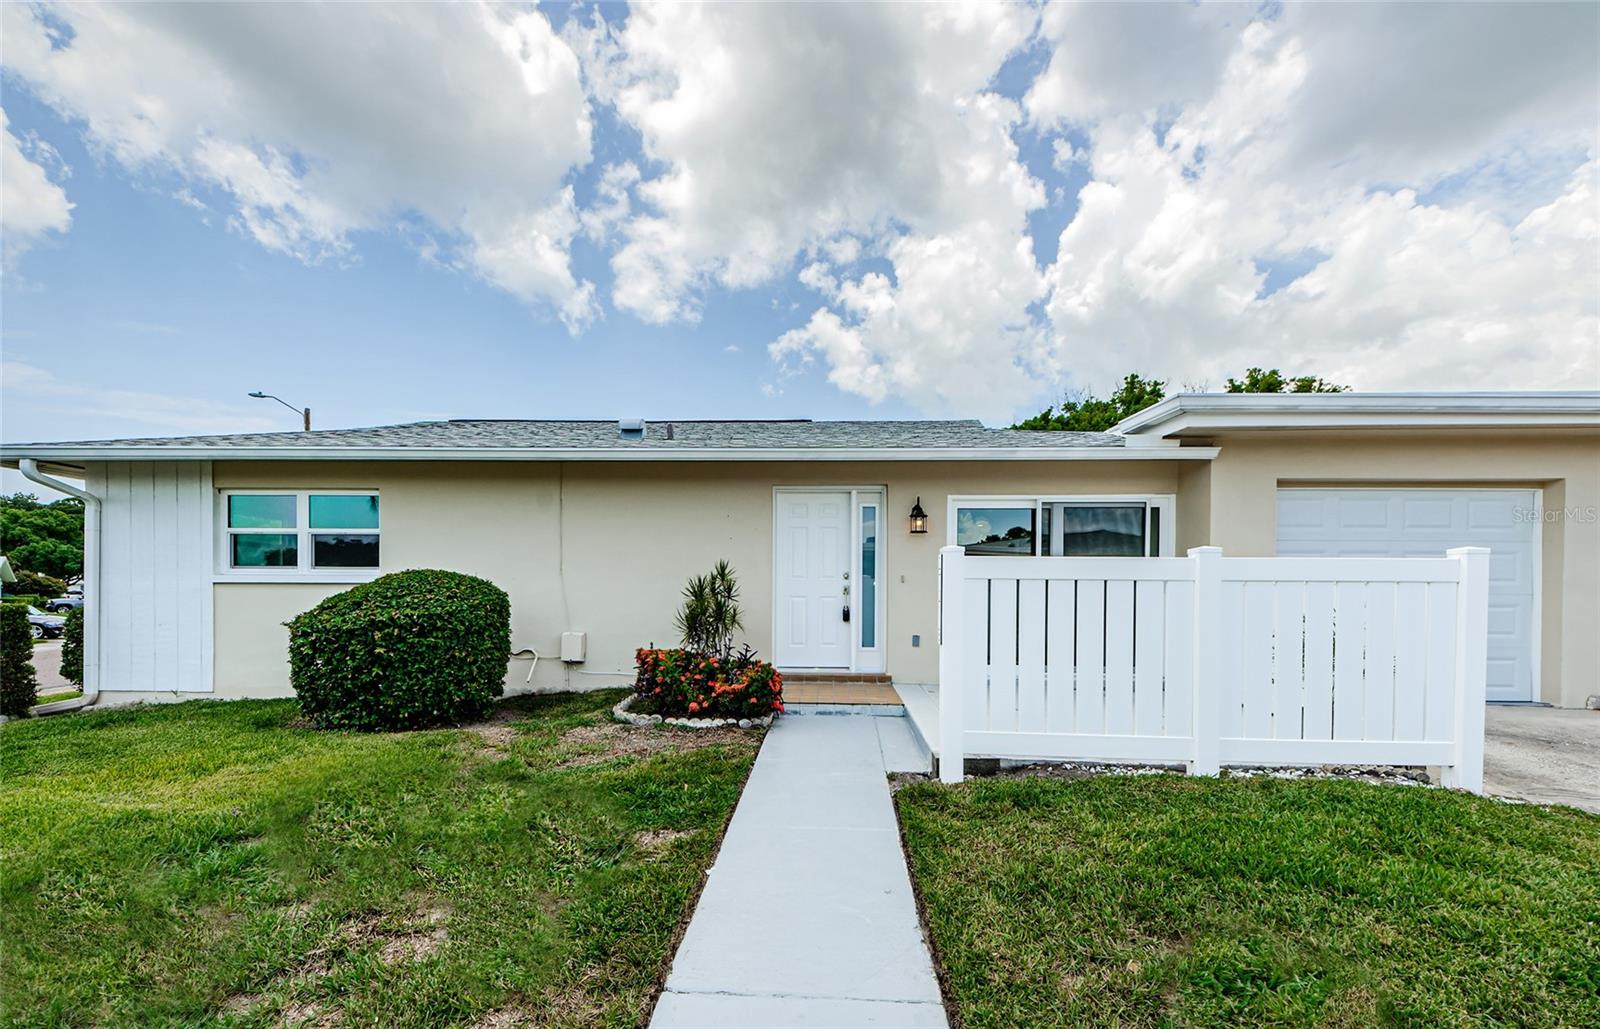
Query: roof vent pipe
x=630, y=429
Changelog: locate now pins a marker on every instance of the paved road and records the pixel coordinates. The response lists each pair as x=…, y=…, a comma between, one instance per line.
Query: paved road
x=807, y=918
x=1542, y=754
x=47, y=667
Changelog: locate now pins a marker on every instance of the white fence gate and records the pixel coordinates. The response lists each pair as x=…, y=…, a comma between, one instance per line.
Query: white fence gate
x=1209, y=661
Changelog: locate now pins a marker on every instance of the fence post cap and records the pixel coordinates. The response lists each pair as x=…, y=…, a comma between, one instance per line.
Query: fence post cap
x=1465, y=551
x=1205, y=551
x=953, y=549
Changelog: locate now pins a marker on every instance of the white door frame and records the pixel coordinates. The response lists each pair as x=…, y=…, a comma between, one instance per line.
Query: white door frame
x=1536, y=615
x=862, y=659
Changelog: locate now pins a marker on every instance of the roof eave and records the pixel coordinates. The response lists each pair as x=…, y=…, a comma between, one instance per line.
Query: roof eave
x=79, y=456
x=1190, y=412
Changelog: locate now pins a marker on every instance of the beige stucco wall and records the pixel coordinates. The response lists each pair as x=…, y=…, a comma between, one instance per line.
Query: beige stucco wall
x=604, y=548
x=1242, y=518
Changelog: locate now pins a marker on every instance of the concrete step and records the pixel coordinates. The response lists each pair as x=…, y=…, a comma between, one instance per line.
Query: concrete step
x=812, y=691
x=825, y=676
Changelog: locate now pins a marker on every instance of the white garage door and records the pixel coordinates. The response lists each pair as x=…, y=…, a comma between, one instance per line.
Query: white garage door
x=1424, y=523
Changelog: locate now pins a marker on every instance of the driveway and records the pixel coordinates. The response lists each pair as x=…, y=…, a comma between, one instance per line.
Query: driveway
x=1542, y=754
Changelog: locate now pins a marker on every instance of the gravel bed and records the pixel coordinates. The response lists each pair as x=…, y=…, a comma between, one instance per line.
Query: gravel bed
x=622, y=712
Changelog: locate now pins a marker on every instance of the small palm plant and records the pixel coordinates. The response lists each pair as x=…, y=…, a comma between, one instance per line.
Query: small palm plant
x=710, y=613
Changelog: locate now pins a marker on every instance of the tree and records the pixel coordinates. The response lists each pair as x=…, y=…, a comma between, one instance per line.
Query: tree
x=1272, y=381
x=43, y=538
x=36, y=584
x=19, y=689
x=1085, y=413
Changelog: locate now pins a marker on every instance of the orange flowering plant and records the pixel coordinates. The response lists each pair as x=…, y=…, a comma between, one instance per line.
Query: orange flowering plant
x=682, y=683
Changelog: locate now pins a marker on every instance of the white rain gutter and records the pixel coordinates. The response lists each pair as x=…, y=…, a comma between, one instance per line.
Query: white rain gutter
x=91, y=588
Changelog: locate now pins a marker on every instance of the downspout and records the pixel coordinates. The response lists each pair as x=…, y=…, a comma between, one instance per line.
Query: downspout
x=91, y=588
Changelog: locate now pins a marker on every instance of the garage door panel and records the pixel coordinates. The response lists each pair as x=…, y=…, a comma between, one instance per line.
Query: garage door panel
x=1492, y=514
x=1509, y=570
x=1428, y=514
x=1426, y=523
x=1304, y=511
x=1364, y=514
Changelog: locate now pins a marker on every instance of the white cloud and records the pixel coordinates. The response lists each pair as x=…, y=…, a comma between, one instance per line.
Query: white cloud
x=613, y=201
x=835, y=131
x=31, y=205
x=35, y=394
x=1158, y=270
x=324, y=121
x=781, y=127
x=1429, y=171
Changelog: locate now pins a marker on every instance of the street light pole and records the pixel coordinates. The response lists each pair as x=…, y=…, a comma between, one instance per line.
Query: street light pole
x=304, y=412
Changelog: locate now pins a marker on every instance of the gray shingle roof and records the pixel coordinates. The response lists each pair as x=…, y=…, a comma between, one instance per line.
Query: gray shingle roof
x=493, y=434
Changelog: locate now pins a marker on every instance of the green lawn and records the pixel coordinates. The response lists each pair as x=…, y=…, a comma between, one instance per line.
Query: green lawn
x=211, y=863
x=1190, y=902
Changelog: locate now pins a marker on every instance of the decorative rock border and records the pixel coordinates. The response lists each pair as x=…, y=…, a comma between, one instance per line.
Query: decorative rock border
x=622, y=712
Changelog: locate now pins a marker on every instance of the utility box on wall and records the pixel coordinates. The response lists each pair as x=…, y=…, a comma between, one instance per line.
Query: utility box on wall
x=573, y=647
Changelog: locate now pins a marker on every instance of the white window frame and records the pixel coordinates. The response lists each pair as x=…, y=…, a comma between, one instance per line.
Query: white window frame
x=304, y=571
x=1166, y=503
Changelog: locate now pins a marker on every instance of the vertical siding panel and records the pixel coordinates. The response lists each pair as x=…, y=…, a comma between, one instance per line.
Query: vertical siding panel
x=1061, y=657
x=192, y=544
x=116, y=569
x=1091, y=665
x=204, y=561
x=1030, y=656
x=1119, y=656
x=1319, y=661
x=1410, y=658
x=164, y=574
x=142, y=580
x=1149, y=652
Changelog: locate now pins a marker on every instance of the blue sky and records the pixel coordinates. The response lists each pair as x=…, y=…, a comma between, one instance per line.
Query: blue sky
x=780, y=211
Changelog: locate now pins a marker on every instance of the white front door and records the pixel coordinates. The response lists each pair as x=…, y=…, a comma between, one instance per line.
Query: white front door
x=1425, y=523
x=812, y=567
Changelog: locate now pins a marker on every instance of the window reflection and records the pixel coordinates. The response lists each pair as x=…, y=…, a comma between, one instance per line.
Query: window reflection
x=996, y=531
x=869, y=576
x=344, y=551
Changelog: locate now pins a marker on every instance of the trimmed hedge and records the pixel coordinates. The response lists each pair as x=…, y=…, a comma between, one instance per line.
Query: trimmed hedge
x=409, y=650
x=683, y=684
x=19, y=689
x=72, y=647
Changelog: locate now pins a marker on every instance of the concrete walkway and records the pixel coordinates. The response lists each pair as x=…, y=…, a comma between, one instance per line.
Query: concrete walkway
x=807, y=918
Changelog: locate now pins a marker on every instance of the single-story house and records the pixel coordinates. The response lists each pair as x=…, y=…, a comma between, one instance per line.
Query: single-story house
x=201, y=547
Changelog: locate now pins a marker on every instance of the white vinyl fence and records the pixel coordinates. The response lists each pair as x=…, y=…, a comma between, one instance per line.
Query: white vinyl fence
x=1209, y=661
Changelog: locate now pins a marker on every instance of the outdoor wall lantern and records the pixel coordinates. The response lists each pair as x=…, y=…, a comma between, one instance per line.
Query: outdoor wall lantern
x=919, y=517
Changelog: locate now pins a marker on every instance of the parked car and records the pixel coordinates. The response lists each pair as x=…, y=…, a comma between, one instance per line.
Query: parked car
x=45, y=626
x=61, y=605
